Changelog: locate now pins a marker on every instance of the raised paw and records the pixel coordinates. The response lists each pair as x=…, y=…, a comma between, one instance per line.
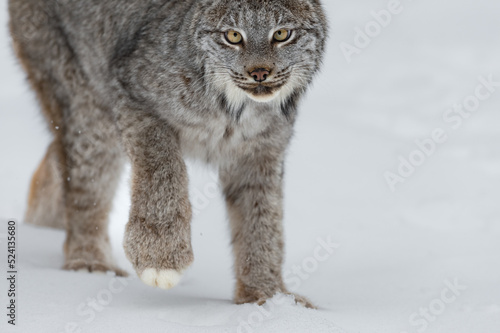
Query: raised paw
x=159, y=254
x=163, y=278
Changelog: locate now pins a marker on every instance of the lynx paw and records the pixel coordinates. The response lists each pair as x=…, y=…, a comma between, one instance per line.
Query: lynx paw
x=81, y=265
x=91, y=255
x=160, y=253
x=301, y=300
x=259, y=296
x=162, y=278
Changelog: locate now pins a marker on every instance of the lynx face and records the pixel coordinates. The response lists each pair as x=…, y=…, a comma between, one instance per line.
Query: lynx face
x=262, y=50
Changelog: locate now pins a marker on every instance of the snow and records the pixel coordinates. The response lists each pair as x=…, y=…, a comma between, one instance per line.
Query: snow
x=430, y=245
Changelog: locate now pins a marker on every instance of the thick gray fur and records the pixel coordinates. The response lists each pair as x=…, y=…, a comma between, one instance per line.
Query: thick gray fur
x=157, y=80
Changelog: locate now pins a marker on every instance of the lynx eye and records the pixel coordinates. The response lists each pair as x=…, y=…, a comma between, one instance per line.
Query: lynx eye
x=233, y=37
x=282, y=35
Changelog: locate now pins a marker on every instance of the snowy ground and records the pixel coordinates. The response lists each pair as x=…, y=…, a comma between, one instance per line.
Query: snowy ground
x=422, y=258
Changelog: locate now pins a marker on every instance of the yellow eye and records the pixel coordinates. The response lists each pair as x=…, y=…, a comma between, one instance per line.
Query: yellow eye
x=282, y=35
x=233, y=37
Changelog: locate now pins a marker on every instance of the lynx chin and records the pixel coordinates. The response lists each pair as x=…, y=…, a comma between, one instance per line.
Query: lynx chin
x=158, y=82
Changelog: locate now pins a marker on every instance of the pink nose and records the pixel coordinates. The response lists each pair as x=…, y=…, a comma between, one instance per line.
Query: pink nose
x=260, y=74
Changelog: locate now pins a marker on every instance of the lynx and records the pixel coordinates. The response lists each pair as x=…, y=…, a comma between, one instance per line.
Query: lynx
x=158, y=82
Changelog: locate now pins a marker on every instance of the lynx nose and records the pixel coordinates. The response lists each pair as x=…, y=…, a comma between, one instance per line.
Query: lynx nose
x=260, y=74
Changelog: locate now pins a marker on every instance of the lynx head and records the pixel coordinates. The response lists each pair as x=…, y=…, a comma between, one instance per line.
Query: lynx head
x=263, y=50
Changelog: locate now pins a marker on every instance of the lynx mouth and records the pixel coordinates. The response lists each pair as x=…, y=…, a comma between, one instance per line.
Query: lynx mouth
x=262, y=92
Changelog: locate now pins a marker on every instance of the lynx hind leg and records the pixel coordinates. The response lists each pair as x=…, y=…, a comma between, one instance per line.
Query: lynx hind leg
x=35, y=43
x=93, y=166
x=45, y=200
x=89, y=149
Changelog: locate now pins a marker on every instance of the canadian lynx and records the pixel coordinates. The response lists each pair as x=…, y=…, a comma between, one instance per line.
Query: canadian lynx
x=159, y=81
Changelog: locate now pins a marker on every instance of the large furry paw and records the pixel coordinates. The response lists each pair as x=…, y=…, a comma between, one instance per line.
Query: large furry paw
x=163, y=278
x=261, y=299
x=92, y=267
x=304, y=301
x=158, y=256
x=90, y=255
x=259, y=296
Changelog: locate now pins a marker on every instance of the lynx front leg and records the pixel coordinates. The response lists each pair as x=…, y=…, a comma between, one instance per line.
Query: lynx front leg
x=253, y=191
x=158, y=236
